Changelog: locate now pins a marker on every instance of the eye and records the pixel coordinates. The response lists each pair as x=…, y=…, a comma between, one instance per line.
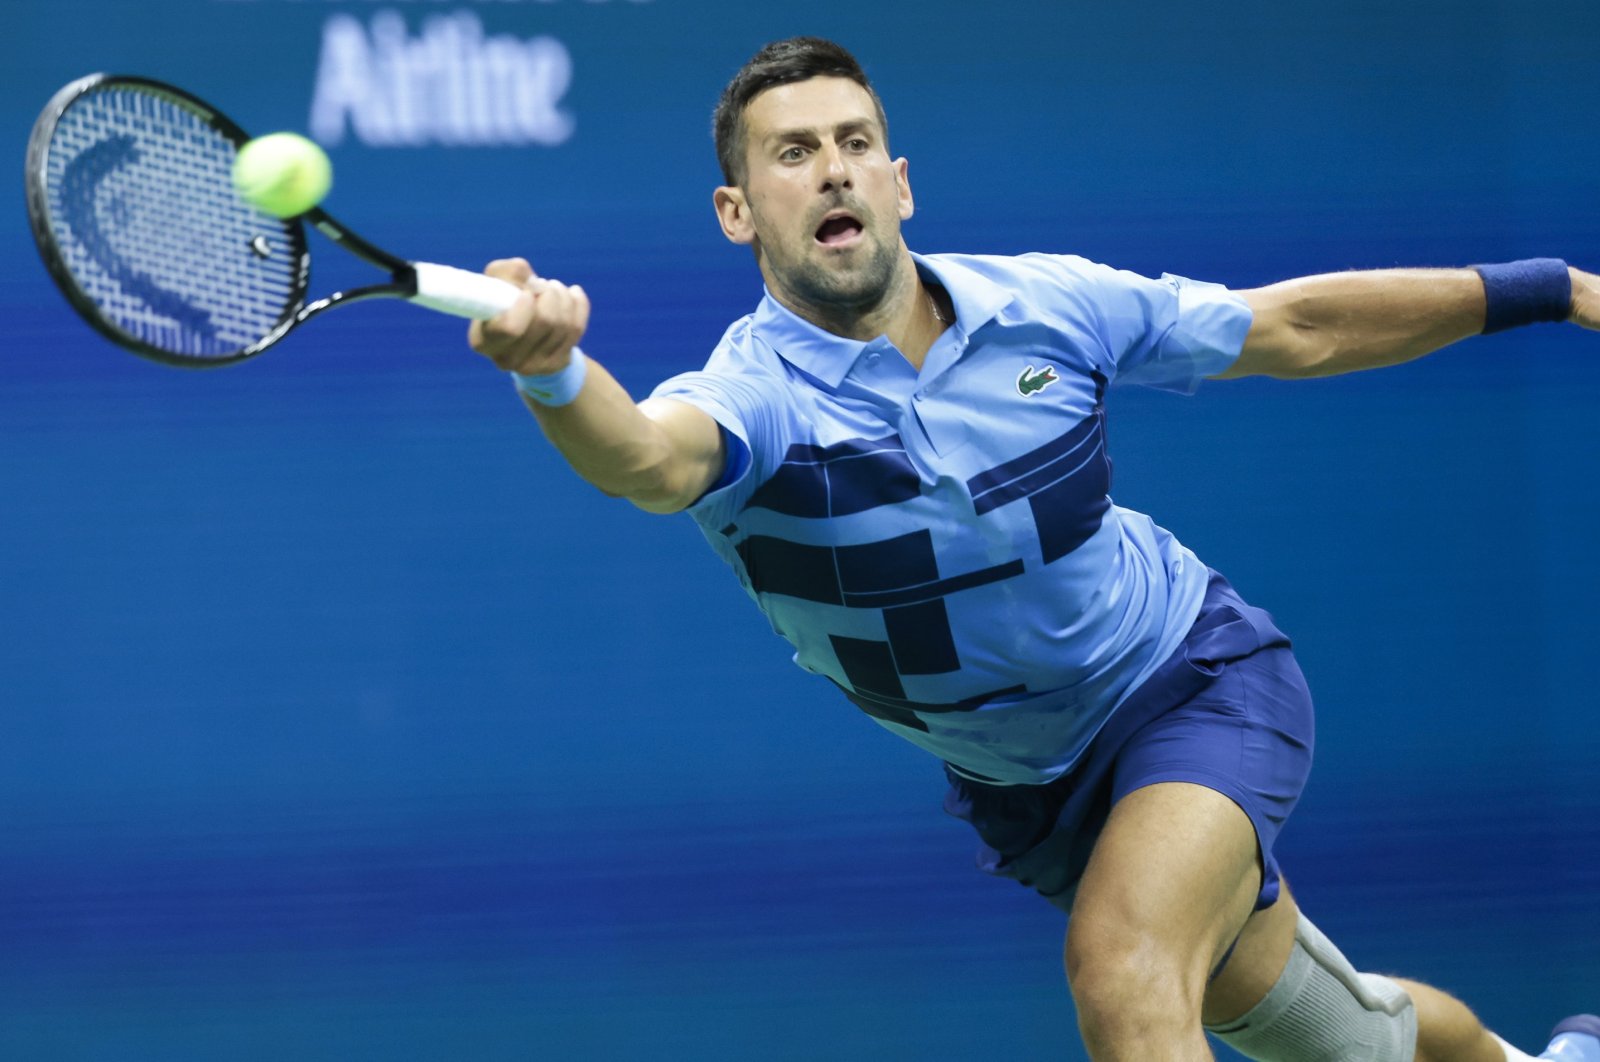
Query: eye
x=792, y=153
x=856, y=143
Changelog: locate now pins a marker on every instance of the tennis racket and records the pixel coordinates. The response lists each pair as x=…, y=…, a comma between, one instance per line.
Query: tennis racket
x=131, y=201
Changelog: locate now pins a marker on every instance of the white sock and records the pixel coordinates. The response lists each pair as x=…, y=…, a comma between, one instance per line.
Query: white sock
x=1512, y=1054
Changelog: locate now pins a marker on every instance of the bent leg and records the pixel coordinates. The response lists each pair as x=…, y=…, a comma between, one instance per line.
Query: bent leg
x=1171, y=886
x=1173, y=879
x=1447, y=1030
x=1319, y=1008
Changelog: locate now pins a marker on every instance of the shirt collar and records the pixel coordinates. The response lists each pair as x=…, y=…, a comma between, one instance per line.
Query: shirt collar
x=829, y=358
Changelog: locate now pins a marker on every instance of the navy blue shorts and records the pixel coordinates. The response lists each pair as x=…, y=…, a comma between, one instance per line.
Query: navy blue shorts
x=1229, y=710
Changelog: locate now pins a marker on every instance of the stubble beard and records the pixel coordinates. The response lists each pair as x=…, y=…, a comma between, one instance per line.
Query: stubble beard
x=840, y=291
x=855, y=290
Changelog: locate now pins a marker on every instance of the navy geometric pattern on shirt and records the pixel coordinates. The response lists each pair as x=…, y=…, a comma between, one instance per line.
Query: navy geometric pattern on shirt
x=847, y=477
x=1066, y=482
x=894, y=571
x=904, y=713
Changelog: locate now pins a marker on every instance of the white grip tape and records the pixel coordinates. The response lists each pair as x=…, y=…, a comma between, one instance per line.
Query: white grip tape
x=462, y=293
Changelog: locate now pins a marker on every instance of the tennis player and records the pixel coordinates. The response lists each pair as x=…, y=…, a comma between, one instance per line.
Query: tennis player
x=902, y=457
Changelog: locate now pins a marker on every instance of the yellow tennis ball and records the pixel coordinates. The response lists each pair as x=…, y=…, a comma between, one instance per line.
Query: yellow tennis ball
x=282, y=174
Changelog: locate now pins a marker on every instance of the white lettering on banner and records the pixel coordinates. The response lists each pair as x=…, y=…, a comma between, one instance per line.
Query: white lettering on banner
x=448, y=85
x=440, y=1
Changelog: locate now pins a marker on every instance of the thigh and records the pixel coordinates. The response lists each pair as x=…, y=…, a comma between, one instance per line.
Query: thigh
x=1255, y=963
x=1173, y=878
x=1248, y=736
x=1228, y=712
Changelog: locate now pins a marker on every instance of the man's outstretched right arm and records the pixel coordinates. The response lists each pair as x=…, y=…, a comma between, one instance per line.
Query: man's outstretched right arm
x=659, y=454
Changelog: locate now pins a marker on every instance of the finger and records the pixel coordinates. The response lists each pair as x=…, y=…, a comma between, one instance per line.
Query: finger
x=553, y=330
x=501, y=338
x=560, y=315
x=513, y=270
x=581, y=297
x=535, y=334
x=495, y=339
x=573, y=314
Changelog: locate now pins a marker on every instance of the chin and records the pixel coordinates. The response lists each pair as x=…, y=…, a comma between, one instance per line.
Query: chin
x=861, y=282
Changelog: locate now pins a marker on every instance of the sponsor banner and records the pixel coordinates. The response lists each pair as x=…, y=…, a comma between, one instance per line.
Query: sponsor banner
x=447, y=83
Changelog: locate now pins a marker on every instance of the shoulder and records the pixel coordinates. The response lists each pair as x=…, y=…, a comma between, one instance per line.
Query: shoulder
x=1049, y=285
x=1061, y=289
x=742, y=351
x=741, y=366
x=1034, y=267
x=736, y=344
x=743, y=385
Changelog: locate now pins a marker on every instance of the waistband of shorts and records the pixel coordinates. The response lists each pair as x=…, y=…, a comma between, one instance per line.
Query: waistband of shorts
x=1225, y=629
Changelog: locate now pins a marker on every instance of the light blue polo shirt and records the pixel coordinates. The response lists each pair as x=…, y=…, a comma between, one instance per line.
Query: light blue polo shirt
x=942, y=544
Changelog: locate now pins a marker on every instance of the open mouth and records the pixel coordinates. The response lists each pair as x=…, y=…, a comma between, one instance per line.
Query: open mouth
x=837, y=230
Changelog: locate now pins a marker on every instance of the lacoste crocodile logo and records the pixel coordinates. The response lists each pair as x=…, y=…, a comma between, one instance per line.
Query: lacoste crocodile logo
x=1030, y=383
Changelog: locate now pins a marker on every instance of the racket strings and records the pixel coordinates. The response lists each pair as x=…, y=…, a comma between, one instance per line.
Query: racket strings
x=143, y=208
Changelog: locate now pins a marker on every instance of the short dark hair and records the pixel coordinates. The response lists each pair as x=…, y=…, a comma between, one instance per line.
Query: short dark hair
x=779, y=63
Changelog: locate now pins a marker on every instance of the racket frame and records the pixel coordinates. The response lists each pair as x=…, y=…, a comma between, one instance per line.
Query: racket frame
x=402, y=276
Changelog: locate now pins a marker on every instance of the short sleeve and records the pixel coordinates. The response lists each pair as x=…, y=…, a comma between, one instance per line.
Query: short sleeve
x=746, y=406
x=1169, y=333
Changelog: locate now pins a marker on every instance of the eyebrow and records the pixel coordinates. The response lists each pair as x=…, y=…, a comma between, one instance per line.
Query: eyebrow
x=853, y=125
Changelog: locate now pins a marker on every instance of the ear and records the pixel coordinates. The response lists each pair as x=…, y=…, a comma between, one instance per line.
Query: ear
x=733, y=212
x=902, y=182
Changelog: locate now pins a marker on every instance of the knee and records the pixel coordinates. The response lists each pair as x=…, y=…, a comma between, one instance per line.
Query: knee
x=1322, y=1010
x=1127, y=985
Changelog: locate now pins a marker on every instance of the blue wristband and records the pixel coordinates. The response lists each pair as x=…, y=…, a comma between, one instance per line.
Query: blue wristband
x=1525, y=292
x=556, y=388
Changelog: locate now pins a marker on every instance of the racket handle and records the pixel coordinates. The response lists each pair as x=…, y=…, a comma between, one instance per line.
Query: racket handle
x=462, y=293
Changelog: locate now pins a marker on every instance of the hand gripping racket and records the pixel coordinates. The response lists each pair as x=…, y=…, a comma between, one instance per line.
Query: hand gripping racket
x=131, y=201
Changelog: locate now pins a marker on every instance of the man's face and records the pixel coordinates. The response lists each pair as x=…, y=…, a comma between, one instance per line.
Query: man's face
x=821, y=201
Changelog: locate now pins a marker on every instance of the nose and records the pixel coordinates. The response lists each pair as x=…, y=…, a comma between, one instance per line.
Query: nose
x=835, y=174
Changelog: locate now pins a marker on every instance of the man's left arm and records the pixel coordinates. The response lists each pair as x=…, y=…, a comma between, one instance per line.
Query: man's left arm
x=1344, y=322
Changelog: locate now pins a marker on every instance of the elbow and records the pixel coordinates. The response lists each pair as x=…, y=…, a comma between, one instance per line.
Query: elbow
x=1306, y=355
x=1291, y=350
x=643, y=497
x=659, y=488
x=1287, y=340
x=659, y=498
x=663, y=506
x=644, y=476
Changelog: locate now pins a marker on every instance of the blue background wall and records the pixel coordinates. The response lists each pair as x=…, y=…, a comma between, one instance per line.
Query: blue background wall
x=338, y=719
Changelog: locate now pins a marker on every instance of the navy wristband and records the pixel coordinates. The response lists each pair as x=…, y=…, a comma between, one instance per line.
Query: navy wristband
x=1525, y=292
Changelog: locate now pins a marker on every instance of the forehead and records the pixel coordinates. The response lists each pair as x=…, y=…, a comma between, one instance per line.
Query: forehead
x=816, y=103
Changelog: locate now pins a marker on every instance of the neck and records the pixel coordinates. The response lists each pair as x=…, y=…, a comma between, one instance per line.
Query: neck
x=909, y=315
